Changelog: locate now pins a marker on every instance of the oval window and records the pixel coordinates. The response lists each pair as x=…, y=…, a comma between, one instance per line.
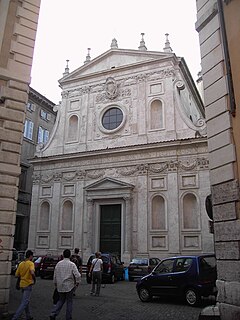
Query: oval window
x=112, y=118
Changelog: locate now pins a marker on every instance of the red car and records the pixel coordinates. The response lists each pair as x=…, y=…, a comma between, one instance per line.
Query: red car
x=47, y=265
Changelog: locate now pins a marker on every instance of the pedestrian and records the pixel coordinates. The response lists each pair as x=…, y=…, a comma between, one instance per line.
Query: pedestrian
x=95, y=273
x=75, y=258
x=26, y=272
x=66, y=277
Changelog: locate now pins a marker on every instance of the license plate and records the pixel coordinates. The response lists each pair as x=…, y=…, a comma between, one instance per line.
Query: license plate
x=50, y=268
x=137, y=270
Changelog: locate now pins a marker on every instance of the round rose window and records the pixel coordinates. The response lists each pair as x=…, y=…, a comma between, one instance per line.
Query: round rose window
x=112, y=118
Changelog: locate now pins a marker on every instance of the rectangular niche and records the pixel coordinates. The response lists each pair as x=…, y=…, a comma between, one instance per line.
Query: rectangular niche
x=66, y=241
x=158, y=183
x=75, y=105
x=68, y=190
x=191, y=242
x=189, y=181
x=156, y=88
x=46, y=191
x=43, y=241
x=159, y=242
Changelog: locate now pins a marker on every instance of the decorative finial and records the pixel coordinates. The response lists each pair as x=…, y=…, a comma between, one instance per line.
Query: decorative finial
x=142, y=46
x=88, y=58
x=167, y=47
x=114, y=44
x=66, y=72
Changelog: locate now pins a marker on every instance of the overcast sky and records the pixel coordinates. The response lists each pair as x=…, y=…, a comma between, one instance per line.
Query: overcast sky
x=66, y=28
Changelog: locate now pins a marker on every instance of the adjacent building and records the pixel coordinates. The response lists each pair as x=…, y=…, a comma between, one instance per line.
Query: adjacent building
x=39, y=122
x=126, y=167
x=18, y=26
x=218, y=25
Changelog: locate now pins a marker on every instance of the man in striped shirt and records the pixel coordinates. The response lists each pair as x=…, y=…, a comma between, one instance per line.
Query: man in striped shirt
x=66, y=278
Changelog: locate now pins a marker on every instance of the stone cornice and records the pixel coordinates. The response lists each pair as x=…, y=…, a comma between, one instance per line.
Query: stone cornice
x=154, y=147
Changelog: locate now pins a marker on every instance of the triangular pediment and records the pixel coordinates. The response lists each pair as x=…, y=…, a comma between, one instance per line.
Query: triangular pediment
x=108, y=184
x=115, y=58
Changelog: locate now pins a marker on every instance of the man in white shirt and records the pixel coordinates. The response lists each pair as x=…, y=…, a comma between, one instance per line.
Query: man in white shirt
x=66, y=278
x=96, y=271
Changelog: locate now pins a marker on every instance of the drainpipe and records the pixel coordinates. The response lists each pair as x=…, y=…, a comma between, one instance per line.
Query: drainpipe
x=227, y=59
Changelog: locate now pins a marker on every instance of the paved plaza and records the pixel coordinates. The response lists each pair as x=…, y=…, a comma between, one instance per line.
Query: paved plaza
x=117, y=301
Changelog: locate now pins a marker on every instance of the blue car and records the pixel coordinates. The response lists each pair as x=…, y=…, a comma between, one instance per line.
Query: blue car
x=189, y=277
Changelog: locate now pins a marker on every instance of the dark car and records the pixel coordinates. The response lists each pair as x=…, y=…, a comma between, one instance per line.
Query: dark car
x=113, y=268
x=47, y=265
x=14, y=261
x=140, y=267
x=189, y=277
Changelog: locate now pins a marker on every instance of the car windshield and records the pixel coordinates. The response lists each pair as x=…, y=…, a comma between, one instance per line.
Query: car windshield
x=142, y=262
x=105, y=259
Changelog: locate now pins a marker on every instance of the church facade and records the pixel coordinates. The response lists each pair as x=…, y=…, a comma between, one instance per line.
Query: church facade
x=126, y=167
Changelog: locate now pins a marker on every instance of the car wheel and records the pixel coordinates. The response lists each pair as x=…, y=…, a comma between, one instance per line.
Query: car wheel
x=192, y=297
x=144, y=294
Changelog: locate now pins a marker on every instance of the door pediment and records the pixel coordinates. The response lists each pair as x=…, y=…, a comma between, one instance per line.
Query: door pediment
x=109, y=184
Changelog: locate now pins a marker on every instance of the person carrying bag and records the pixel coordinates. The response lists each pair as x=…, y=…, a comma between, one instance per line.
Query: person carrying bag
x=26, y=277
x=95, y=274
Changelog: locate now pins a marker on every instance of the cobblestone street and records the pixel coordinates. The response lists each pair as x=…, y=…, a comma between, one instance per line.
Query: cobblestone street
x=118, y=301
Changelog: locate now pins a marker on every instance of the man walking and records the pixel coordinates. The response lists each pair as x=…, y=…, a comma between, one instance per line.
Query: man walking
x=26, y=273
x=75, y=257
x=66, y=278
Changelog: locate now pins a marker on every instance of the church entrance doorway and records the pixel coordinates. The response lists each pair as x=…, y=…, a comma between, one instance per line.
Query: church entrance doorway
x=110, y=228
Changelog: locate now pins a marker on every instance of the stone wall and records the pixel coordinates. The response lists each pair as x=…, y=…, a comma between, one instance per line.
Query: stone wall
x=222, y=153
x=18, y=25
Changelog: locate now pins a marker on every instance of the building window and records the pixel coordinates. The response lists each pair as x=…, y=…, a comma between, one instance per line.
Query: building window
x=30, y=107
x=67, y=215
x=190, y=212
x=158, y=213
x=112, y=118
x=156, y=115
x=28, y=129
x=43, y=135
x=73, y=128
x=44, y=216
x=44, y=115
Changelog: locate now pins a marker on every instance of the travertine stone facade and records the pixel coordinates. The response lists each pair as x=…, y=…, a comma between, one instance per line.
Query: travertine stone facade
x=130, y=137
x=219, y=44
x=18, y=25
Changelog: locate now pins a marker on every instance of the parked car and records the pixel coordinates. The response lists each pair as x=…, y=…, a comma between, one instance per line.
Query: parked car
x=17, y=257
x=47, y=265
x=140, y=267
x=189, y=277
x=113, y=268
x=14, y=261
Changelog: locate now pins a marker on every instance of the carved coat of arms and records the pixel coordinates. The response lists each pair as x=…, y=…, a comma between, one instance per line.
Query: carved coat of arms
x=111, y=88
